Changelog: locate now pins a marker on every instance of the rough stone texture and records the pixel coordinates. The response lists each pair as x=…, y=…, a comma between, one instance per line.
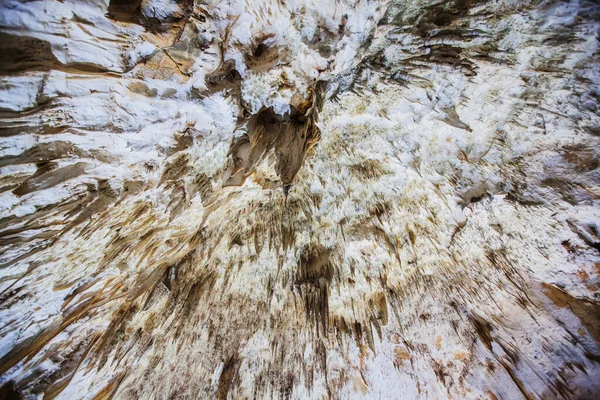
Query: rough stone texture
x=299, y=199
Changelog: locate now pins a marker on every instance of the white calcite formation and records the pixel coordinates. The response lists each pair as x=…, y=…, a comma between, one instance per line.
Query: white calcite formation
x=257, y=199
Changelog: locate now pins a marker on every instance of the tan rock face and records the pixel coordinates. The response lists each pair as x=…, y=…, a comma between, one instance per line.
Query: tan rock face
x=300, y=199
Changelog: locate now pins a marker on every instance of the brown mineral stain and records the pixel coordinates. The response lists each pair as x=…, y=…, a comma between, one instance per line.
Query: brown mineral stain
x=362, y=382
x=583, y=276
x=491, y=395
x=587, y=311
x=227, y=376
x=109, y=390
x=364, y=353
x=583, y=158
x=360, y=385
x=594, y=283
x=438, y=342
x=461, y=355
x=556, y=295
x=401, y=354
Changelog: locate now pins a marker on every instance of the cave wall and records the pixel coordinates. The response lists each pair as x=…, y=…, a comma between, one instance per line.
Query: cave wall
x=299, y=199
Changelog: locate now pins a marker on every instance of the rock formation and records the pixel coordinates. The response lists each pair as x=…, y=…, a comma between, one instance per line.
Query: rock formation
x=326, y=199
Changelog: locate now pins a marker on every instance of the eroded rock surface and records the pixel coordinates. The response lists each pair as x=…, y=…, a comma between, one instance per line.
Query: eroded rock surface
x=299, y=199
